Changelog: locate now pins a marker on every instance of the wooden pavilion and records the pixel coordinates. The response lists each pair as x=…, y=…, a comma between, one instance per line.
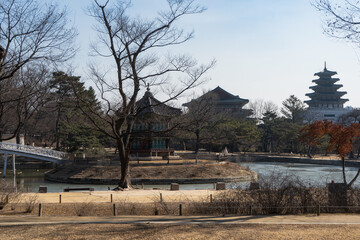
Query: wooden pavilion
x=150, y=132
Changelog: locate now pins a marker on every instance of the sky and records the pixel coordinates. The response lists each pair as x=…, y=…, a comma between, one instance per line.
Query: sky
x=263, y=49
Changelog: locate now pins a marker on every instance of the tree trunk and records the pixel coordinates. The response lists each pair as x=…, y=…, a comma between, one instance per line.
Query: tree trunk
x=343, y=170
x=1, y=116
x=18, y=140
x=270, y=146
x=57, y=131
x=125, y=178
x=309, y=152
x=184, y=146
x=1, y=126
x=197, y=144
x=354, y=179
x=125, y=181
x=351, y=155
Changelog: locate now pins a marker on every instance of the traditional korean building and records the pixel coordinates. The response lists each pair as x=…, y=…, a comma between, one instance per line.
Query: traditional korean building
x=326, y=101
x=226, y=102
x=150, y=138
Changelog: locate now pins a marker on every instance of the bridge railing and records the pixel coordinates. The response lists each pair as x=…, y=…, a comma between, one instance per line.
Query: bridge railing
x=34, y=150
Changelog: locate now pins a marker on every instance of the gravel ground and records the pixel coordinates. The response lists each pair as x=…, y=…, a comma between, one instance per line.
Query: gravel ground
x=189, y=231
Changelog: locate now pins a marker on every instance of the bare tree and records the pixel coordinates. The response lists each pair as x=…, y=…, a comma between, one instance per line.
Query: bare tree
x=260, y=106
x=33, y=93
x=202, y=116
x=342, y=18
x=7, y=106
x=21, y=97
x=32, y=31
x=348, y=119
x=134, y=46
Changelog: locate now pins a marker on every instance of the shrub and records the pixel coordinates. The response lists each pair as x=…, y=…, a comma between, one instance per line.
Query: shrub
x=7, y=195
x=84, y=208
x=30, y=202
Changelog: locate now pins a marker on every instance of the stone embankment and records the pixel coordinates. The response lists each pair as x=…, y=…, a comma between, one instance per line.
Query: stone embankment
x=148, y=181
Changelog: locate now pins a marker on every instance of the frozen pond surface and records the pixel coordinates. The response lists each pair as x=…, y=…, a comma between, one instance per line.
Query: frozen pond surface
x=316, y=174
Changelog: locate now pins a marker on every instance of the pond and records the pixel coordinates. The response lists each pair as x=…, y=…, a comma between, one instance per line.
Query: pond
x=309, y=173
x=31, y=179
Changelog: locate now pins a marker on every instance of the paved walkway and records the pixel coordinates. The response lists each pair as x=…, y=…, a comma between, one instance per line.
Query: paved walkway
x=324, y=219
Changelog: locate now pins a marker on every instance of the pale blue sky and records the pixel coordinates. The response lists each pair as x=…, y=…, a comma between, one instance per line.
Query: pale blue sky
x=264, y=49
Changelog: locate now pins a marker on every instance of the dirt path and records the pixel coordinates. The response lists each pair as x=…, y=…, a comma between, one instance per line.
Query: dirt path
x=153, y=231
x=309, y=219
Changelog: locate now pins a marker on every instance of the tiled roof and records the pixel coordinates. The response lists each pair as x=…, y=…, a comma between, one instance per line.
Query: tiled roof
x=325, y=73
x=149, y=104
x=221, y=94
x=222, y=97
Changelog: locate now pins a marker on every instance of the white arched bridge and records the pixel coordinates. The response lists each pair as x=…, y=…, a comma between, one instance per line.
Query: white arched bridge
x=31, y=152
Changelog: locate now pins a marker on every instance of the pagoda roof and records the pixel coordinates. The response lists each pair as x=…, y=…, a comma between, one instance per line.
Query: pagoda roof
x=222, y=97
x=149, y=104
x=325, y=73
x=336, y=95
x=314, y=101
x=325, y=91
x=333, y=87
x=325, y=80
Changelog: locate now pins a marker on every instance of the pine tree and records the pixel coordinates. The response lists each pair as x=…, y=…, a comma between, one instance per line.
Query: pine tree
x=73, y=130
x=293, y=109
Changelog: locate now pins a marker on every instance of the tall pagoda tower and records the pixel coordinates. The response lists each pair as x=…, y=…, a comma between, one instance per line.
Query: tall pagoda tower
x=326, y=101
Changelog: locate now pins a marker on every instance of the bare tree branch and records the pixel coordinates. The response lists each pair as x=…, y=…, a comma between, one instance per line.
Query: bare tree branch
x=342, y=18
x=31, y=32
x=133, y=44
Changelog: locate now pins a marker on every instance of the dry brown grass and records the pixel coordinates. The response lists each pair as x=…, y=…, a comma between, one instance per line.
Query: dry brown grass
x=215, y=170
x=96, y=209
x=190, y=231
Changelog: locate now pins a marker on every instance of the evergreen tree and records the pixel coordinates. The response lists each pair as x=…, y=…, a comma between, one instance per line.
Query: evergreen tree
x=279, y=134
x=72, y=129
x=293, y=109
